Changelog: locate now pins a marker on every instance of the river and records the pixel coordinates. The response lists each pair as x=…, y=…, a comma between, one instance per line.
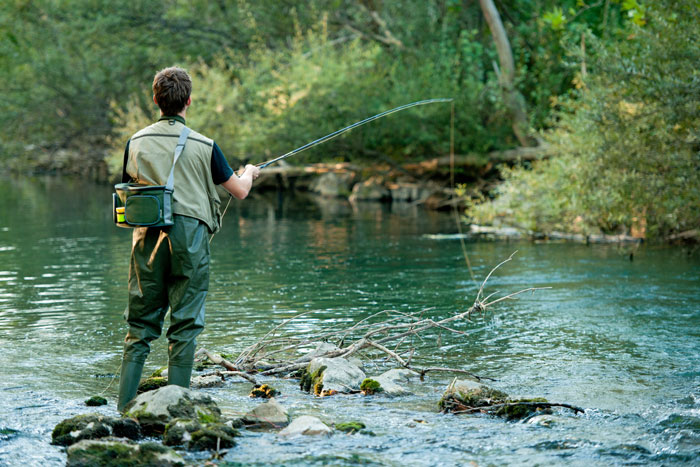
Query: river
x=617, y=337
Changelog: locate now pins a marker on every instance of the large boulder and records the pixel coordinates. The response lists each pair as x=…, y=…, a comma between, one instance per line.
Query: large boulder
x=326, y=376
x=306, y=425
x=122, y=453
x=404, y=192
x=372, y=189
x=154, y=409
x=93, y=426
x=269, y=414
x=333, y=185
x=393, y=382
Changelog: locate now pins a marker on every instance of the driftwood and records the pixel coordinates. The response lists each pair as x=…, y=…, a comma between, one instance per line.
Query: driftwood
x=491, y=409
x=387, y=334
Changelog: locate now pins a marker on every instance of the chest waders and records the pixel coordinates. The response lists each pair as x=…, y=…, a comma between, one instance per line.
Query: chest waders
x=169, y=268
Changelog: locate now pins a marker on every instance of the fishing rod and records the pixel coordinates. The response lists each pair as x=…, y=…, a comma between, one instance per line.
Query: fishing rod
x=348, y=128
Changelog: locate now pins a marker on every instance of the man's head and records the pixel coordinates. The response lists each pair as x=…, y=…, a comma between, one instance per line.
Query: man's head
x=171, y=90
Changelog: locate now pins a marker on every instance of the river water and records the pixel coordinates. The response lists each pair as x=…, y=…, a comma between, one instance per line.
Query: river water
x=619, y=338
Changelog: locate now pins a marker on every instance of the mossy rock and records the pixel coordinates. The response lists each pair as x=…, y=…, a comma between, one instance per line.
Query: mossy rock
x=178, y=432
x=264, y=391
x=7, y=433
x=313, y=381
x=159, y=372
x=212, y=437
x=517, y=409
x=80, y=427
x=118, y=453
x=96, y=401
x=151, y=383
x=350, y=427
x=469, y=394
x=370, y=386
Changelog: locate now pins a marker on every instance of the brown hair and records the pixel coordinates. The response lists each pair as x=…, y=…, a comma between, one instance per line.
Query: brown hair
x=172, y=87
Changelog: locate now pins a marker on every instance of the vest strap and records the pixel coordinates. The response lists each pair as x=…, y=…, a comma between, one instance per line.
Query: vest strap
x=178, y=150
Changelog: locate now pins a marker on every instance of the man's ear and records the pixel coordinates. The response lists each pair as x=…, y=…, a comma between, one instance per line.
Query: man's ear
x=154, y=100
x=189, y=101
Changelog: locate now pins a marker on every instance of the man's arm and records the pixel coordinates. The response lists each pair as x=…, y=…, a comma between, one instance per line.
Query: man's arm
x=240, y=186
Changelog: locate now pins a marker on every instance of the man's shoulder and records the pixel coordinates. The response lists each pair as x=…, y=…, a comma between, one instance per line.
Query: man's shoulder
x=200, y=138
x=162, y=128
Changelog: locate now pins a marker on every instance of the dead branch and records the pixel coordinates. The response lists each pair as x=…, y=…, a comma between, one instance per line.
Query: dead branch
x=379, y=333
x=495, y=407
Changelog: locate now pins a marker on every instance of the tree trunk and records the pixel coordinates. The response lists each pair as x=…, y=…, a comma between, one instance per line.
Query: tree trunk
x=515, y=103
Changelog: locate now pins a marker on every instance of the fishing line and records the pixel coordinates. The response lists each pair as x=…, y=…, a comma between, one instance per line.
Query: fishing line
x=336, y=133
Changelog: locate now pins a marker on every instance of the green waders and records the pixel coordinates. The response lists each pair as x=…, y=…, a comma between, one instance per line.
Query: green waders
x=169, y=268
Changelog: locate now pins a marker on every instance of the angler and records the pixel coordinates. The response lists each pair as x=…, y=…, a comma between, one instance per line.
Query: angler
x=169, y=266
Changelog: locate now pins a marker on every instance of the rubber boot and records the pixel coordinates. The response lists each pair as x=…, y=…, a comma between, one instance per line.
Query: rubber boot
x=129, y=382
x=180, y=375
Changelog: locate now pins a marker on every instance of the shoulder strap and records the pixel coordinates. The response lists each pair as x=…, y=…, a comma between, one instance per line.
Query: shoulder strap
x=178, y=150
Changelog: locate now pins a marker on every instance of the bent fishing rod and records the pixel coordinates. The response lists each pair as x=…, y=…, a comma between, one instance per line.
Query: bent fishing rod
x=350, y=127
x=336, y=133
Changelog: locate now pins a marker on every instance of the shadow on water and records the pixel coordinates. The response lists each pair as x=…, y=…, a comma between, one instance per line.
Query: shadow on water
x=620, y=338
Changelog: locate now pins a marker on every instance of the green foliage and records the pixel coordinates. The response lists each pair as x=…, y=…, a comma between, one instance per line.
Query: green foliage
x=627, y=143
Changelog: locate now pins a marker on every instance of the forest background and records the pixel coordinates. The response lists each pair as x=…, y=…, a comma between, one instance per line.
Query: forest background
x=608, y=90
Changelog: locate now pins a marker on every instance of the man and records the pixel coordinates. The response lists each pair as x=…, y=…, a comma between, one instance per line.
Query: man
x=169, y=266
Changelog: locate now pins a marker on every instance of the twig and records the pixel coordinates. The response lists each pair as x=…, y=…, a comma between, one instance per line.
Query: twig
x=490, y=408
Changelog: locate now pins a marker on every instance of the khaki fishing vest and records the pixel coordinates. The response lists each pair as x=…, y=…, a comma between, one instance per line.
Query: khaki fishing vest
x=151, y=152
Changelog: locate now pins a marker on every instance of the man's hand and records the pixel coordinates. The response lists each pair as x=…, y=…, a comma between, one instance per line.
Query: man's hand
x=254, y=171
x=240, y=186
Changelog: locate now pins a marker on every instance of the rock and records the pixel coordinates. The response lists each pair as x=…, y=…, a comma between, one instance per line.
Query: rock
x=119, y=452
x=372, y=189
x=211, y=381
x=214, y=436
x=357, y=362
x=321, y=349
x=326, y=376
x=306, y=425
x=370, y=387
x=350, y=427
x=333, y=185
x=404, y=192
x=93, y=426
x=154, y=409
x=461, y=394
x=264, y=391
x=269, y=414
x=96, y=401
x=393, y=381
x=151, y=383
x=178, y=431
x=546, y=421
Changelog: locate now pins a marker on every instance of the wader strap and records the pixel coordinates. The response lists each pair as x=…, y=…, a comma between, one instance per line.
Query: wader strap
x=178, y=150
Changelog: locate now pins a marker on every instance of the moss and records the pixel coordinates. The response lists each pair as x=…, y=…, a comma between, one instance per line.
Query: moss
x=159, y=372
x=151, y=383
x=7, y=432
x=264, y=391
x=370, y=386
x=96, y=401
x=174, y=434
x=350, y=427
x=89, y=426
x=315, y=381
x=205, y=417
x=478, y=396
x=212, y=437
x=126, y=428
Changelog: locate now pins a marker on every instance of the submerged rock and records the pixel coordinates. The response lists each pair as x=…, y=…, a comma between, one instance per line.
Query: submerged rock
x=269, y=414
x=471, y=397
x=213, y=436
x=154, y=409
x=393, y=381
x=465, y=394
x=93, y=426
x=96, y=401
x=306, y=425
x=178, y=431
x=350, y=427
x=326, y=376
x=122, y=453
x=211, y=381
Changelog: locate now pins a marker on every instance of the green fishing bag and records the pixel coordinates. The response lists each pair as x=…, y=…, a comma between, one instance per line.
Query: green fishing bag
x=135, y=205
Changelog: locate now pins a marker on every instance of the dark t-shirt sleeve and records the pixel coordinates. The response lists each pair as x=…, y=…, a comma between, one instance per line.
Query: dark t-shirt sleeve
x=220, y=170
x=125, y=176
